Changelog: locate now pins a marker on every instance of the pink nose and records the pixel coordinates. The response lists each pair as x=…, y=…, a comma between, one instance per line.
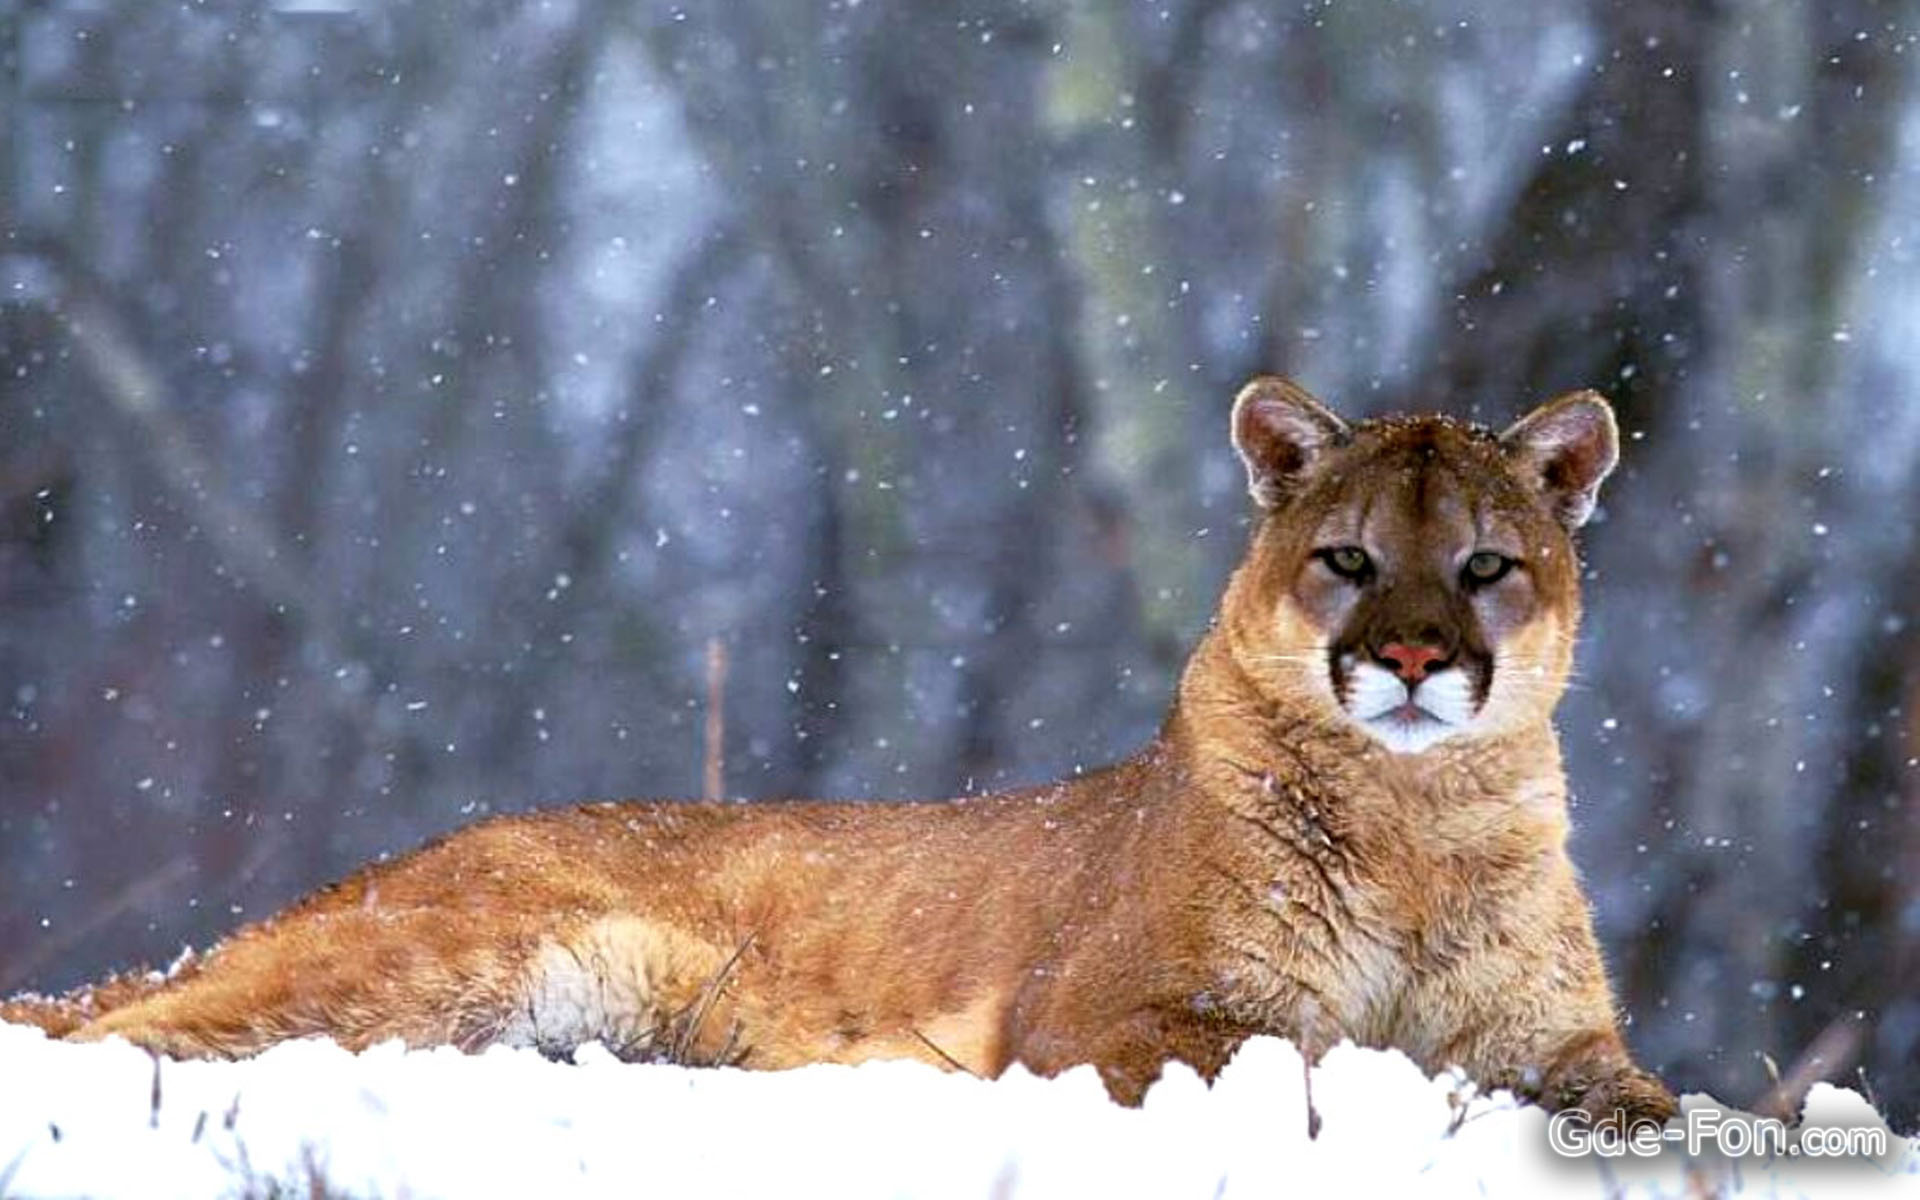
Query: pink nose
x=1409, y=662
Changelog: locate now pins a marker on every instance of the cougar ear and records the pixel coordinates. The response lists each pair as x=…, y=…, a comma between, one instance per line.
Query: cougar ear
x=1279, y=429
x=1565, y=449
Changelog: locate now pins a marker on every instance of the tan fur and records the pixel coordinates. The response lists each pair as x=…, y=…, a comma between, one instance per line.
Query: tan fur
x=1263, y=866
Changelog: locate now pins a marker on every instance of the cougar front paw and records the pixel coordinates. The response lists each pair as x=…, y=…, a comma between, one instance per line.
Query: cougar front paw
x=1626, y=1097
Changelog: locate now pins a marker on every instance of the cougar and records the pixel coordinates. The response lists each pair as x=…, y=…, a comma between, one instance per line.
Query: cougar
x=1351, y=825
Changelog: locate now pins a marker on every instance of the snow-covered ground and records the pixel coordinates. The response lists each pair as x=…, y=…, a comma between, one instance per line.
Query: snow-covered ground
x=105, y=1120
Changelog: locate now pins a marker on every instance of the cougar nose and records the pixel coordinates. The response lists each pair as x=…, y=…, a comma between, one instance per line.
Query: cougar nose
x=1412, y=663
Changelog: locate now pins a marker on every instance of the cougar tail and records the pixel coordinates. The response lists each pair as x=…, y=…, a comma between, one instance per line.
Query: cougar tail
x=60, y=1015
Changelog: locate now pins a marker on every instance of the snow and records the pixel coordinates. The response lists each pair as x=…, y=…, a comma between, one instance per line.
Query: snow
x=107, y=1120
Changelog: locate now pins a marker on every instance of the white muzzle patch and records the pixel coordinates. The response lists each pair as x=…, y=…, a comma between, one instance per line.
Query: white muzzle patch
x=1404, y=718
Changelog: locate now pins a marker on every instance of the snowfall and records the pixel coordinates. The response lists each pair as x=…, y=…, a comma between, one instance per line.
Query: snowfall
x=310, y=1118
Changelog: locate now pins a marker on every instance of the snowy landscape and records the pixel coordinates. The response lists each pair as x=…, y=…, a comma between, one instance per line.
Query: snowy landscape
x=308, y=1118
x=415, y=412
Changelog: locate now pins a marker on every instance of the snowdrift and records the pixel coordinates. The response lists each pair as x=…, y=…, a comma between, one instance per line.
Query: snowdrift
x=310, y=1118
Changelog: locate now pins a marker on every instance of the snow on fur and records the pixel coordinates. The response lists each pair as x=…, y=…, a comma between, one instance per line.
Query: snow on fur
x=107, y=1120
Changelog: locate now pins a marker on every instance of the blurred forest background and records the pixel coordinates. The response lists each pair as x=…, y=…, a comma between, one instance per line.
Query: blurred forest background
x=398, y=397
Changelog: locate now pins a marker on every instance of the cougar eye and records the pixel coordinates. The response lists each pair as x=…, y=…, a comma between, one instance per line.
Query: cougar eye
x=1348, y=562
x=1486, y=566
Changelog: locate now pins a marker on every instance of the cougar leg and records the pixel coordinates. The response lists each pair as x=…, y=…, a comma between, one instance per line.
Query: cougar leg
x=426, y=977
x=60, y=1015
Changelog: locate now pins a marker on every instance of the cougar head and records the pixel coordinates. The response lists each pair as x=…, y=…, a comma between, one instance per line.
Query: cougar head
x=1416, y=576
